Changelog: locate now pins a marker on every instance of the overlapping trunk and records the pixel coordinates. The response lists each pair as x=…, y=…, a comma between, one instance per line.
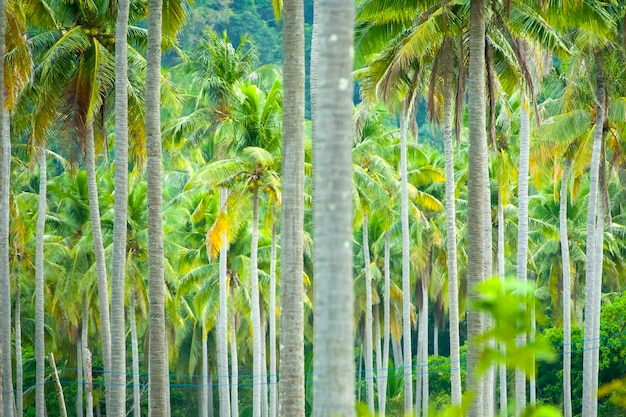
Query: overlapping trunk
x=222, y=322
x=567, y=293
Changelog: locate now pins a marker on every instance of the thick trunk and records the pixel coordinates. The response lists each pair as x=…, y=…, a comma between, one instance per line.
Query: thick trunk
x=453, y=282
x=39, y=296
x=158, y=363
x=135, y=358
x=98, y=248
x=592, y=284
x=333, y=363
x=567, y=294
x=273, y=381
x=522, y=240
x=291, y=383
x=406, y=271
x=369, y=350
x=116, y=398
x=476, y=197
x=503, y=387
x=257, y=380
x=234, y=395
x=57, y=386
x=222, y=322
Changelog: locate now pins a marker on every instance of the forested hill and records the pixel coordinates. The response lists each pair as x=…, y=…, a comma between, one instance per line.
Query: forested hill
x=239, y=17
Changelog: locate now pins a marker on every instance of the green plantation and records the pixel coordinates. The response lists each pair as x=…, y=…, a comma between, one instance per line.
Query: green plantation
x=263, y=208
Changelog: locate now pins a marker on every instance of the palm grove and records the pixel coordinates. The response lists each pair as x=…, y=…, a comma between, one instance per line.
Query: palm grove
x=178, y=239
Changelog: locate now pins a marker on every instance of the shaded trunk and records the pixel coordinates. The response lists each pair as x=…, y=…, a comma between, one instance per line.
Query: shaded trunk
x=57, y=386
x=396, y=346
x=273, y=382
x=333, y=348
x=135, y=358
x=39, y=297
x=222, y=321
x=476, y=197
x=255, y=310
x=502, y=368
x=424, y=343
x=234, y=363
x=383, y=369
x=291, y=367
x=567, y=293
x=378, y=351
x=116, y=398
x=87, y=358
x=369, y=351
x=592, y=285
x=19, y=366
x=204, y=385
x=98, y=248
x=79, y=377
x=158, y=363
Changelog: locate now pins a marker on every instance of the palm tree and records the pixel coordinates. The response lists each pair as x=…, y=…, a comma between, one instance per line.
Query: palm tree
x=291, y=384
x=476, y=195
x=333, y=297
x=118, y=268
x=39, y=289
x=159, y=377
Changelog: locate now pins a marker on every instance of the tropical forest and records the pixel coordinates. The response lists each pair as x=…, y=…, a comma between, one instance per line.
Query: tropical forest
x=313, y=208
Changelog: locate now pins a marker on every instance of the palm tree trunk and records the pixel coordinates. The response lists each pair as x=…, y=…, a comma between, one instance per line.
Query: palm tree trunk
x=39, y=297
x=222, y=322
x=567, y=293
x=79, y=377
x=234, y=363
x=333, y=351
x=384, y=369
x=264, y=393
x=210, y=395
x=98, y=247
x=255, y=309
x=204, y=385
x=489, y=376
x=369, y=351
x=406, y=271
x=592, y=315
x=291, y=384
x=135, y=358
x=453, y=282
x=522, y=240
x=424, y=359
x=117, y=389
x=397, y=352
x=378, y=350
x=503, y=387
x=57, y=386
x=476, y=196
x=158, y=363
x=19, y=365
x=86, y=358
x=598, y=295
x=532, y=383
x=272, y=330
x=418, y=367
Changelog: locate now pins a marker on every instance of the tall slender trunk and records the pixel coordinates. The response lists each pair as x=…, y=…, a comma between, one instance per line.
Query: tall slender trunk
x=424, y=359
x=19, y=366
x=396, y=346
x=134, y=346
x=210, y=395
x=418, y=367
x=291, y=367
x=503, y=387
x=598, y=296
x=522, y=240
x=406, y=271
x=86, y=358
x=79, y=377
x=567, y=293
x=204, y=385
x=264, y=393
x=272, y=330
x=333, y=351
x=476, y=196
x=592, y=284
x=255, y=309
x=489, y=376
x=377, y=349
x=532, y=383
x=234, y=363
x=384, y=369
x=222, y=321
x=453, y=282
x=158, y=362
x=98, y=247
x=369, y=350
x=117, y=389
x=40, y=356
x=57, y=385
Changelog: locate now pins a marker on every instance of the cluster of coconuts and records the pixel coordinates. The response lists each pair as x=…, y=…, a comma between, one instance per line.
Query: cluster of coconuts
x=105, y=36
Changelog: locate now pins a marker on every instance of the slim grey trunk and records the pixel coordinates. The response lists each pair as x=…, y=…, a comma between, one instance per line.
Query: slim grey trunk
x=333, y=363
x=158, y=361
x=87, y=358
x=272, y=330
x=222, y=321
x=79, y=377
x=135, y=358
x=592, y=284
x=369, y=351
x=116, y=398
x=378, y=351
x=98, y=247
x=383, y=370
x=255, y=310
x=234, y=363
x=522, y=241
x=567, y=294
x=532, y=383
x=204, y=385
x=40, y=356
x=418, y=368
x=19, y=366
x=57, y=385
x=598, y=296
x=291, y=366
x=397, y=352
x=477, y=200
x=489, y=377
x=424, y=359
x=264, y=393
x=406, y=271
x=503, y=387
